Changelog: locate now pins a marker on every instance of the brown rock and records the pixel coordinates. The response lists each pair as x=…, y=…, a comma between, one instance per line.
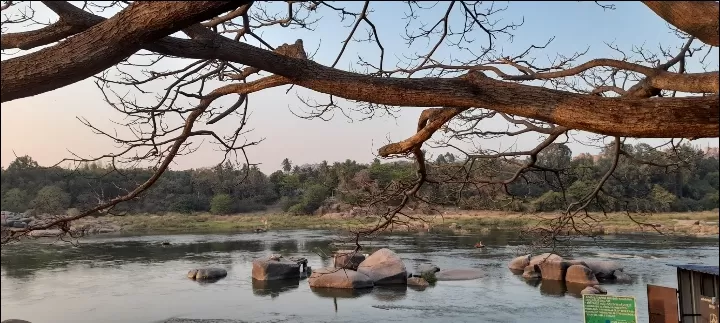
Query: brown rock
x=519, y=263
x=600, y=289
x=348, y=259
x=590, y=290
x=274, y=268
x=578, y=274
x=553, y=270
x=531, y=272
x=207, y=273
x=339, y=278
x=418, y=282
x=545, y=258
x=384, y=267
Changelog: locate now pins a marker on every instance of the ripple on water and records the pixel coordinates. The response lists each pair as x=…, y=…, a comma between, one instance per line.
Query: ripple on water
x=136, y=279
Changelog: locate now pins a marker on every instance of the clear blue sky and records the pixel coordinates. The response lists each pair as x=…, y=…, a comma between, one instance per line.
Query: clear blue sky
x=44, y=126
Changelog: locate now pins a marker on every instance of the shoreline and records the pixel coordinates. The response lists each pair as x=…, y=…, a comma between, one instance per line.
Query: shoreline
x=691, y=224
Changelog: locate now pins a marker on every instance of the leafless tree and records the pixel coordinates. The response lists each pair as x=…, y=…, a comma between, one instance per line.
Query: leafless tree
x=635, y=96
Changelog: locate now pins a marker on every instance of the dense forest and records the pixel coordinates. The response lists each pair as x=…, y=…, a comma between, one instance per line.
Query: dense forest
x=306, y=189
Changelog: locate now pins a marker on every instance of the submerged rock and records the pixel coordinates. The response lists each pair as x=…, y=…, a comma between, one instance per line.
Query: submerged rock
x=603, y=269
x=423, y=269
x=207, y=273
x=592, y=290
x=418, y=282
x=339, y=278
x=384, y=267
x=275, y=267
x=621, y=277
x=459, y=274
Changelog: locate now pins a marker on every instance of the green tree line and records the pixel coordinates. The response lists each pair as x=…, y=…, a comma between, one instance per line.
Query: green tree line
x=296, y=189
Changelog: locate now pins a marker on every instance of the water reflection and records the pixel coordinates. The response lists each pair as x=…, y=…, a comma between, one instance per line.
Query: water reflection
x=340, y=292
x=82, y=281
x=22, y=261
x=274, y=288
x=390, y=293
x=553, y=287
x=285, y=246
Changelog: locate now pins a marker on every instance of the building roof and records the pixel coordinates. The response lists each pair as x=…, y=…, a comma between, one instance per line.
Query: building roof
x=705, y=269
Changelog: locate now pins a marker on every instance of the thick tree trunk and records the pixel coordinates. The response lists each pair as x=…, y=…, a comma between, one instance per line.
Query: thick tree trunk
x=689, y=117
x=697, y=18
x=102, y=45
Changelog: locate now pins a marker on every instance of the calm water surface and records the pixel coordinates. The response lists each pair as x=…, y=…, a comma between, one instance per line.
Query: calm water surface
x=136, y=279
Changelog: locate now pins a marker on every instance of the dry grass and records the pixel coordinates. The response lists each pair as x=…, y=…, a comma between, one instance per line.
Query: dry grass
x=670, y=223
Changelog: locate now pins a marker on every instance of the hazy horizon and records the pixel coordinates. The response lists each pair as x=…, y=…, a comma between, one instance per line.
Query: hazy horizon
x=45, y=126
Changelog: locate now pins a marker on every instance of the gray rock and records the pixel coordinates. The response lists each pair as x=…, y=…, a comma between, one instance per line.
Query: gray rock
x=519, y=263
x=339, y=278
x=15, y=321
x=384, y=267
x=207, y=273
x=458, y=274
x=348, y=259
x=275, y=268
x=427, y=269
x=18, y=224
x=25, y=220
x=603, y=269
x=600, y=289
x=621, y=277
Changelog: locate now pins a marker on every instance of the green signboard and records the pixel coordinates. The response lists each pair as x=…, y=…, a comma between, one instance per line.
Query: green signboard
x=609, y=309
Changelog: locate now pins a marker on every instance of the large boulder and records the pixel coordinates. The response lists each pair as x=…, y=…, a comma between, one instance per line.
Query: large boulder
x=519, y=263
x=348, y=259
x=546, y=257
x=531, y=272
x=207, y=273
x=578, y=274
x=275, y=268
x=339, y=278
x=384, y=267
x=459, y=274
x=603, y=269
x=553, y=270
x=426, y=269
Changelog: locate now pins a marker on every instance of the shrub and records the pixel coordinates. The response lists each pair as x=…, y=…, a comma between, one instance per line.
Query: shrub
x=221, y=204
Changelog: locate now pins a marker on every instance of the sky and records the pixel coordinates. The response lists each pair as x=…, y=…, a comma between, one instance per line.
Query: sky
x=46, y=126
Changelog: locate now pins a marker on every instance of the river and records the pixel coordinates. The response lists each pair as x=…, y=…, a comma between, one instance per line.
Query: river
x=137, y=279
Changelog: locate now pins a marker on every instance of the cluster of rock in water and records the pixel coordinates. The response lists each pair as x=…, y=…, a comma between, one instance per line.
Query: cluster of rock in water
x=351, y=270
x=587, y=274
